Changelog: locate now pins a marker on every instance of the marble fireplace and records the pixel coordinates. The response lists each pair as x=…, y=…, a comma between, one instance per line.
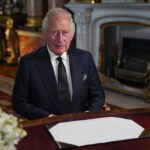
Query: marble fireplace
x=102, y=30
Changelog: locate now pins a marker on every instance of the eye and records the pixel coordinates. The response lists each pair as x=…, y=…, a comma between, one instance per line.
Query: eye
x=65, y=32
x=53, y=32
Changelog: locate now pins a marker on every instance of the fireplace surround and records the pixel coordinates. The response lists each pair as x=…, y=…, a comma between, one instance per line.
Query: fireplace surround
x=97, y=25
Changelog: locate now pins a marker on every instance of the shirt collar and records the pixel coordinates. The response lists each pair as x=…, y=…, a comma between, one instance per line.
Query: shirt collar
x=54, y=56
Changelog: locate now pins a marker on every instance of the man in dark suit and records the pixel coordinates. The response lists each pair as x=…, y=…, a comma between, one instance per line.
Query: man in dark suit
x=36, y=89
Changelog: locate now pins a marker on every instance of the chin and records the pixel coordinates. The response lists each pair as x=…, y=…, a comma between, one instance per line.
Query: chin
x=60, y=51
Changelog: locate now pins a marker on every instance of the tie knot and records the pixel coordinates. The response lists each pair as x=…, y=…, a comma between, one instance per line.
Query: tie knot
x=59, y=59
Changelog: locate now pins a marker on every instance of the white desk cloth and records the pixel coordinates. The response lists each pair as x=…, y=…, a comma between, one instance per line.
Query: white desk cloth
x=94, y=131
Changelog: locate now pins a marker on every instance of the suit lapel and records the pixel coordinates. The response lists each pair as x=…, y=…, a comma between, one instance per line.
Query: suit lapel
x=48, y=77
x=74, y=61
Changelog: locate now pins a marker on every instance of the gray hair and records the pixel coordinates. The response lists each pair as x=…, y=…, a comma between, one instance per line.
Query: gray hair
x=53, y=12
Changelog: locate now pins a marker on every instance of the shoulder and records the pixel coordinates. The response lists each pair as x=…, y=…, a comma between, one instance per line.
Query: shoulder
x=33, y=56
x=79, y=52
x=81, y=57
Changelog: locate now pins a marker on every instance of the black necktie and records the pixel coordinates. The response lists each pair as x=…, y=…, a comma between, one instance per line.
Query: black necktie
x=63, y=87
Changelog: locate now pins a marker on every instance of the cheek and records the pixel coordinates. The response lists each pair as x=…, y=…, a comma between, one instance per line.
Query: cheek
x=51, y=39
x=69, y=39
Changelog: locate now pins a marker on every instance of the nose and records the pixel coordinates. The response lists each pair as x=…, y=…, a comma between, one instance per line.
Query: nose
x=60, y=36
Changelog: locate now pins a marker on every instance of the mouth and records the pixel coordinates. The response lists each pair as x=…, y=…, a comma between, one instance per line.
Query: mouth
x=59, y=46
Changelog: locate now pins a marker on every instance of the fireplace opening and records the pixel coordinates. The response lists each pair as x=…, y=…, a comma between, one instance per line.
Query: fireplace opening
x=125, y=58
x=134, y=63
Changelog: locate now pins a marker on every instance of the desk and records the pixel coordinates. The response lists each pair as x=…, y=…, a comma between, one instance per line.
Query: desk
x=38, y=137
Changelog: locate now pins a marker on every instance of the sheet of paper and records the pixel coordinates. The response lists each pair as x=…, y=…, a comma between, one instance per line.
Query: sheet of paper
x=93, y=131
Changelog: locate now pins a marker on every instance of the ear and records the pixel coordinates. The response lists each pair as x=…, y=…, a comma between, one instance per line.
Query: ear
x=73, y=41
x=72, y=36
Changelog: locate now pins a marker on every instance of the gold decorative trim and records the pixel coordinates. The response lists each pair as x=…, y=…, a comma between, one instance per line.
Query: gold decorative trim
x=30, y=33
x=32, y=22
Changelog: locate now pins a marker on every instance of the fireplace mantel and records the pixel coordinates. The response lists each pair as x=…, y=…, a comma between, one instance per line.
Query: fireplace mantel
x=89, y=18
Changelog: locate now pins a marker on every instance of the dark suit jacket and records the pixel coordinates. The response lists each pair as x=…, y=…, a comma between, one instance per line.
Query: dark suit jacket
x=35, y=90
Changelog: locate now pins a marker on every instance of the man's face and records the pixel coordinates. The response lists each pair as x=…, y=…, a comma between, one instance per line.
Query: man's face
x=59, y=34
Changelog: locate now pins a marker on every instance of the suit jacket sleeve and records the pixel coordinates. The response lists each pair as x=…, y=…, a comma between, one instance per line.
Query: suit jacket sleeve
x=21, y=94
x=96, y=93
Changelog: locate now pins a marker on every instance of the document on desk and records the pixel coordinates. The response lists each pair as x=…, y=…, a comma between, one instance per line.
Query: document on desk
x=94, y=131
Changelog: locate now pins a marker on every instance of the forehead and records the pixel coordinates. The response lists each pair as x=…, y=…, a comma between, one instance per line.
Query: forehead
x=60, y=18
x=59, y=22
